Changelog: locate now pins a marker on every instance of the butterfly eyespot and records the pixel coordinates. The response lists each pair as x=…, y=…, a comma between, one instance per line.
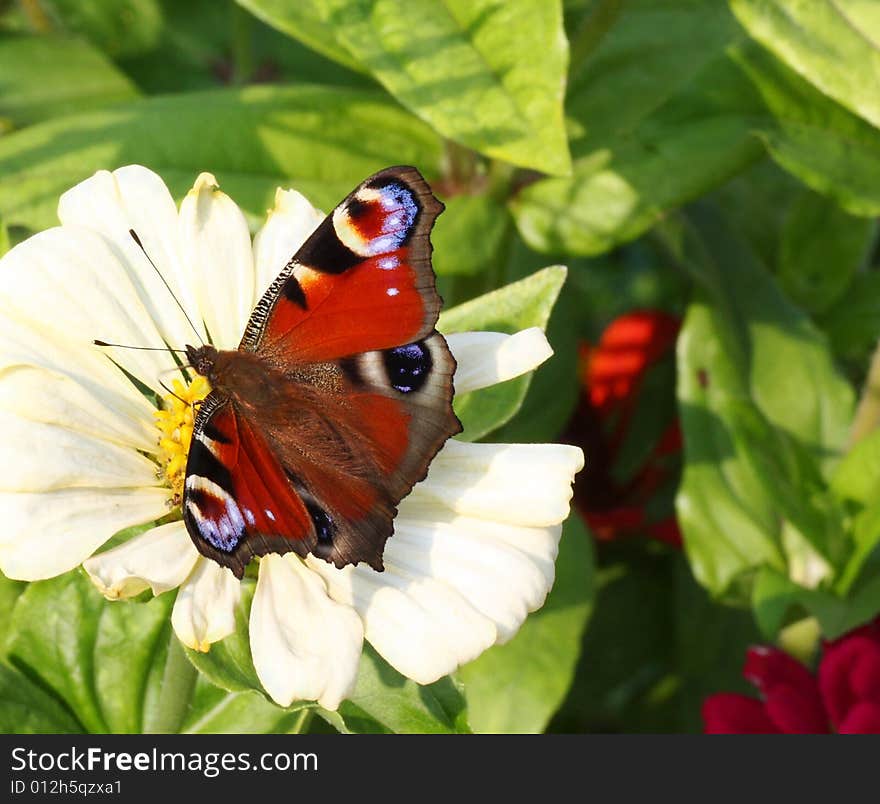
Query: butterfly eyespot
x=408, y=367
x=325, y=529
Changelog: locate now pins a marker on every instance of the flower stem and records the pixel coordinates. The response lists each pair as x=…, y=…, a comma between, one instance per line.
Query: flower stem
x=301, y=724
x=242, y=46
x=867, y=416
x=178, y=683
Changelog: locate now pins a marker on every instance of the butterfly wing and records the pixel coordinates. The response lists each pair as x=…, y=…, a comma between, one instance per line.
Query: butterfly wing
x=237, y=501
x=362, y=281
x=357, y=395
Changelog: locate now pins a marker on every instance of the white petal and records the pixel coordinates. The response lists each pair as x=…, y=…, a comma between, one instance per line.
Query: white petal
x=421, y=627
x=70, y=282
x=217, y=247
x=305, y=646
x=134, y=198
x=523, y=484
x=46, y=379
x=41, y=457
x=289, y=223
x=204, y=611
x=159, y=559
x=487, y=358
x=477, y=559
x=48, y=533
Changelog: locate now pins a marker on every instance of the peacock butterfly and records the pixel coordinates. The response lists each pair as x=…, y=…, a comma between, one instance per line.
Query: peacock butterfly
x=338, y=396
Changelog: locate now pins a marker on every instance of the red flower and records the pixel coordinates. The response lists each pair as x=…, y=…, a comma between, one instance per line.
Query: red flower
x=615, y=501
x=843, y=696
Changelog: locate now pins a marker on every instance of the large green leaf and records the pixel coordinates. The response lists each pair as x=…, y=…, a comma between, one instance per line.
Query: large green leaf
x=821, y=250
x=102, y=660
x=853, y=322
x=118, y=27
x=523, y=304
x=206, y=42
x=25, y=708
x=215, y=711
x=834, y=44
x=486, y=73
x=383, y=698
x=518, y=686
x=661, y=116
x=42, y=77
x=763, y=411
x=81, y=663
x=321, y=140
x=306, y=21
x=827, y=147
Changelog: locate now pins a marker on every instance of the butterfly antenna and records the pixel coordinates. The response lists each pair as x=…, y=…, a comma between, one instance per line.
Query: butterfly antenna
x=141, y=348
x=134, y=236
x=168, y=390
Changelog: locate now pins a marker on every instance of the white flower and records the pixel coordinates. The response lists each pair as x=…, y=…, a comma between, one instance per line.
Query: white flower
x=474, y=544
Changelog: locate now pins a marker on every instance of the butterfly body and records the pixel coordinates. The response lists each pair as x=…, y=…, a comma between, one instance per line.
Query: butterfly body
x=338, y=396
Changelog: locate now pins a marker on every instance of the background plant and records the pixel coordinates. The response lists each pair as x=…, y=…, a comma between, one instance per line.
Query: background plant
x=718, y=162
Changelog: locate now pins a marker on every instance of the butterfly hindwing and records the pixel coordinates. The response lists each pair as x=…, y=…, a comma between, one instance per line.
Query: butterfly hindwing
x=237, y=501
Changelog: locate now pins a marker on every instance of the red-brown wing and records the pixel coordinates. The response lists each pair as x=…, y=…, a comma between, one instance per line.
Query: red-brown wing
x=361, y=389
x=362, y=281
x=237, y=500
x=363, y=440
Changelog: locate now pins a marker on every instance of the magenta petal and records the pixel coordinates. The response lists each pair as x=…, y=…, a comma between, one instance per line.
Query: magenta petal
x=790, y=692
x=848, y=675
x=728, y=713
x=863, y=718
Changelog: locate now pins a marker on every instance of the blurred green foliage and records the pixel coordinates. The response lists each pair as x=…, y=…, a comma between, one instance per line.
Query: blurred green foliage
x=716, y=160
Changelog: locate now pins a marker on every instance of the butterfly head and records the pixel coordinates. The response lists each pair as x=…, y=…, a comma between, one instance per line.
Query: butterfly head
x=203, y=359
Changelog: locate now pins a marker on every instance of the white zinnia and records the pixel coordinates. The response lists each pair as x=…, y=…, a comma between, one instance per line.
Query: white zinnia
x=474, y=544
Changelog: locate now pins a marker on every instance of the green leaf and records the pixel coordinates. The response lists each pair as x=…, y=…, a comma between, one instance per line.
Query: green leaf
x=853, y=322
x=486, y=73
x=518, y=686
x=27, y=709
x=822, y=248
x=763, y=409
x=306, y=21
x=215, y=711
x=320, y=140
x=523, y=304
x=116, y=667
x=468, y=235
x=43, y=77
x=203, y=43
x=857, y=477
x=10, y=591
x=98, y=658
x=118, y=27
x=386, y=699
x=775, y=596
x=830, y=149
x=834, y=44
x=661, y=116
x=554, y=390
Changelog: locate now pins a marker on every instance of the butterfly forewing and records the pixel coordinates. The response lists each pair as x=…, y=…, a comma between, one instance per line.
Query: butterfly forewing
x=340, y=393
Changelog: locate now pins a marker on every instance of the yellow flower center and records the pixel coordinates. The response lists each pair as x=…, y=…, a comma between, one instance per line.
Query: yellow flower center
x=175, y=422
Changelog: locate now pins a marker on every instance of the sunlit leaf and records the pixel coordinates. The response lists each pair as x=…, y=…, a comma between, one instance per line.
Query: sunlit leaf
x=486, y=73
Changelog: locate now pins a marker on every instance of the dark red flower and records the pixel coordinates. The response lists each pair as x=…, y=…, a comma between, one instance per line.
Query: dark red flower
x=843, y=696
x=613, y=495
